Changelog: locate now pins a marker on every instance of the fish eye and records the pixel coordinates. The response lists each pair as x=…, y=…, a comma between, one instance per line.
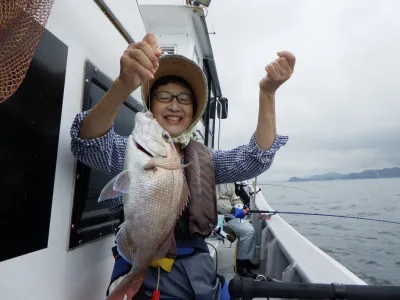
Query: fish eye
x=165, y=137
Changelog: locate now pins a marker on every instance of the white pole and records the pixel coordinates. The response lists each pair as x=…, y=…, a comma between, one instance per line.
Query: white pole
x=255, y=189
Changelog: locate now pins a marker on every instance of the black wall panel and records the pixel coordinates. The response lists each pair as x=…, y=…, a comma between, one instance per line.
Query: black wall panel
x=29, y=134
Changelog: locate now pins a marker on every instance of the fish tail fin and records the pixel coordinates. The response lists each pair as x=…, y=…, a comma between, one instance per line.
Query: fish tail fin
x=129, y=286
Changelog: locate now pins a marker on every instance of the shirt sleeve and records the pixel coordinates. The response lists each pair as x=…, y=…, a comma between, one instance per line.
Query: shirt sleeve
x=105, y=153
x=244, y=162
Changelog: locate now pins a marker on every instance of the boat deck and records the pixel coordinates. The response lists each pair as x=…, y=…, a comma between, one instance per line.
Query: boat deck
x=225, y=260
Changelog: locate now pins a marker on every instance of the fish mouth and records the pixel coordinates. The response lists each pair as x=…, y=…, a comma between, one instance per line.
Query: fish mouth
x=144, y=150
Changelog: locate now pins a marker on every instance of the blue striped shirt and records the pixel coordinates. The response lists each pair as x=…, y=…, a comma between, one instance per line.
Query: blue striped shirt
x=107, y=154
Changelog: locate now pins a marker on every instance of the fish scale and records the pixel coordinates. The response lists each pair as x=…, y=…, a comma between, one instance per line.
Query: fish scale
x=154, y=192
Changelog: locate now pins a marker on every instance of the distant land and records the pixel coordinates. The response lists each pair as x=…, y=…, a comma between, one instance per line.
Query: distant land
x=367, y=174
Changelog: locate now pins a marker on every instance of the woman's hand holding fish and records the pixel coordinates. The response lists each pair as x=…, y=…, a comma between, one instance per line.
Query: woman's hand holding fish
x=139, y=62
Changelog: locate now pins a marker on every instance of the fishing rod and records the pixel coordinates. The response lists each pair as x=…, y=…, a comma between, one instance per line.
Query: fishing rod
x=248, y=288
x=316, y=214
x=274, y=212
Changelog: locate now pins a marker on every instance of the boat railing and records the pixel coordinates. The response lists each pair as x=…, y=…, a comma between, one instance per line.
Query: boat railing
x=285, y=254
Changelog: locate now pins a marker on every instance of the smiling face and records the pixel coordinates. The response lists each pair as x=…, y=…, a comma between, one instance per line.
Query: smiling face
x=173, y=116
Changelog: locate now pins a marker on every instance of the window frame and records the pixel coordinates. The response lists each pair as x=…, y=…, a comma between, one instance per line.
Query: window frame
x=82, y=235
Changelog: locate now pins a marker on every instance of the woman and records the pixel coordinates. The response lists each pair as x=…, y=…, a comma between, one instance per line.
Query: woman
x=231, y=206
x=174, y=88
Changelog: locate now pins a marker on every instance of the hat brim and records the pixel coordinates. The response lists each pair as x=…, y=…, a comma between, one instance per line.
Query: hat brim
x=188, y=70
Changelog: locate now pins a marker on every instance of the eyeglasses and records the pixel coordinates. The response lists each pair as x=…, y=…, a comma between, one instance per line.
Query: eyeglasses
x=166, y=97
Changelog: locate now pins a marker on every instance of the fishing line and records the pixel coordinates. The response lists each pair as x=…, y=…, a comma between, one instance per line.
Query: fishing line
x=158, y=278
x=156, y=292
x=274, y=212
x=287, y=186
x=321, y=214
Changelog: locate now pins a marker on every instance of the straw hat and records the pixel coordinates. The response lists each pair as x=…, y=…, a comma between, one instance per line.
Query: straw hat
x=188, y=70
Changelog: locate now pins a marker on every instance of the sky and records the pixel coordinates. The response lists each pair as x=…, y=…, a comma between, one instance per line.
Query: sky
x=341, y=107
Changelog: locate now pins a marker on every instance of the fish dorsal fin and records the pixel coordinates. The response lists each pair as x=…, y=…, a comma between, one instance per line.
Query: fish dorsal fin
x=184, y=198
x=116, y=187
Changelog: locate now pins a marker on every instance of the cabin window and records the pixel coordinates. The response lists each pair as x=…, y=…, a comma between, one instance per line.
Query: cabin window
x=30, y=127
x=92, y=220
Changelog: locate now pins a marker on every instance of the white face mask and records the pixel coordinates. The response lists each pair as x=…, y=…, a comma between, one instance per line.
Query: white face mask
x=184, y=138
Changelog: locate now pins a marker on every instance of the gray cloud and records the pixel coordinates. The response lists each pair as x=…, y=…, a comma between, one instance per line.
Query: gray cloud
x=341, y=107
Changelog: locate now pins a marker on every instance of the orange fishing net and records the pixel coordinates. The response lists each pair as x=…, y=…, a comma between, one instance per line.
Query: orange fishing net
x=21, y=26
